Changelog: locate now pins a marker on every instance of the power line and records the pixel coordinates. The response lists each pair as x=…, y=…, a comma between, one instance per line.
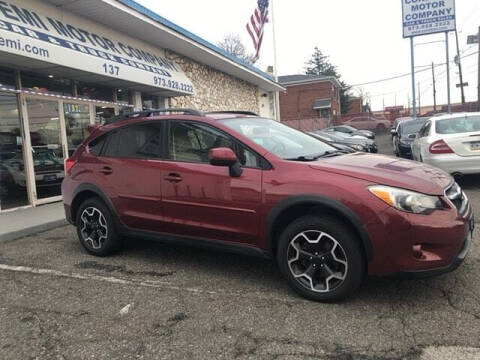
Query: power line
x=407, y=74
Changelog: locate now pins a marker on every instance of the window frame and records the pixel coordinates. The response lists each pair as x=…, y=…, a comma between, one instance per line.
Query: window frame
x=109, y=135
x=263, y=163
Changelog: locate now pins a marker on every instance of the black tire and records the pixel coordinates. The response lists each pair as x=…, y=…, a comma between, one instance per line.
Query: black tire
x=110, y=243
x=354, y=271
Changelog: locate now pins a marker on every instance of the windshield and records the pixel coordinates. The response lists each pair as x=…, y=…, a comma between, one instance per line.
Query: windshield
x=412, y=127
x=458, y=125
x=279, y=139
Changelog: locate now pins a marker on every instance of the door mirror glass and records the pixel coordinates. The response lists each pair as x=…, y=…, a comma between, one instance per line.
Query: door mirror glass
x=222, y=157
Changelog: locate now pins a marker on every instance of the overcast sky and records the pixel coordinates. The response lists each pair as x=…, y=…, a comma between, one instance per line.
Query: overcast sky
x=363, y=39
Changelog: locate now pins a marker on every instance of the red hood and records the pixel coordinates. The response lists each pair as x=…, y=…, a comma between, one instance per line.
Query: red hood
x=387, y=170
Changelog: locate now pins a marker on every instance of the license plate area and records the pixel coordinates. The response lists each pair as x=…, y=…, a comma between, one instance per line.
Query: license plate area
x=475, y=146
x=50, y=178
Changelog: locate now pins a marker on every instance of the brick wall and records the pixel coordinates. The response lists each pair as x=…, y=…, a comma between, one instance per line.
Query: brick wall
x=297, y=102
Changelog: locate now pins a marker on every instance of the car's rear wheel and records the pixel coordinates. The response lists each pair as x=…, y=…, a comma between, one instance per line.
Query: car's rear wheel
x=321, y=258
x=96, y=229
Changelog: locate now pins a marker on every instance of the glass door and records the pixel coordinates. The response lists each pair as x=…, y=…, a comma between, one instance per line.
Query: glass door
x=77, y=119
x=46, y=146
x=13, y=183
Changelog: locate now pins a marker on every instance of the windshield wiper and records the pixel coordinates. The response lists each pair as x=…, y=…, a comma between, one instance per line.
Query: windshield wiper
x=333, y=153
x=314, y=157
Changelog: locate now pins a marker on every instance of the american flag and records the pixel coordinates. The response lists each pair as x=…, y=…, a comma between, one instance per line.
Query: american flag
x=256, y=24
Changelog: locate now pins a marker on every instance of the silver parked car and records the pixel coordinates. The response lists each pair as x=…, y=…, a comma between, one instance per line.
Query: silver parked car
x=450, y=142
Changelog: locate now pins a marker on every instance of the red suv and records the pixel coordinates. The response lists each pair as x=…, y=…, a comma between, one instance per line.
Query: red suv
x=238, y=182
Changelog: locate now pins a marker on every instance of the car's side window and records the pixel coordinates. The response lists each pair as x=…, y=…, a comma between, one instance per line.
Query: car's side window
x=95, y=146
x=139, y=141
x=191, y=142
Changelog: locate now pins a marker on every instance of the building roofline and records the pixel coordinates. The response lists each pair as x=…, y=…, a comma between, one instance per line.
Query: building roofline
x=312, y=81
x=195, y=38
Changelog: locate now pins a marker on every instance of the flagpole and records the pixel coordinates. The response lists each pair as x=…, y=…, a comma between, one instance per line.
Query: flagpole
x=275, y=72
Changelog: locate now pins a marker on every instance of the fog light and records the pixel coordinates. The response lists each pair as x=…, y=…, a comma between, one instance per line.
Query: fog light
x=418, y=252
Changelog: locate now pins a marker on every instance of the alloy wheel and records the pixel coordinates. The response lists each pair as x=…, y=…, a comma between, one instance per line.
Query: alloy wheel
x=94, y=228
x=317, y=261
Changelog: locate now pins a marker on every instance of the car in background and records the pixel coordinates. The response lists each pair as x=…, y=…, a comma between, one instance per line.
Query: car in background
x=450, y=142
x=330, y=141
x=350, y=130
x=405, y=135
x=398, y=121
x=359, y=143
x=368, y=123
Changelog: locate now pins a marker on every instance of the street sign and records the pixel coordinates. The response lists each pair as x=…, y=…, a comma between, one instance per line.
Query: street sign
x=423, y=17
x=464, y=85
x=473, y=39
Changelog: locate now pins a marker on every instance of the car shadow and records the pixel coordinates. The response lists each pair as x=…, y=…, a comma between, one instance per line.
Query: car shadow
x=250, y=272
x=469, y=182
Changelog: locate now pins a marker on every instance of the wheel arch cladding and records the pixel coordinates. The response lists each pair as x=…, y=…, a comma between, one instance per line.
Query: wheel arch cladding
x=86, y=191
x=291, y=208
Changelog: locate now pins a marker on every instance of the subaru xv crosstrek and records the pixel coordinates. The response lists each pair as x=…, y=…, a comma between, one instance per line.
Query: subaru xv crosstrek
x=238, y=182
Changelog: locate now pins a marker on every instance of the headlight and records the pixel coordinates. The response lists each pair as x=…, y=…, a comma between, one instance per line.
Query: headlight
x=358, y=147
x=406, y=200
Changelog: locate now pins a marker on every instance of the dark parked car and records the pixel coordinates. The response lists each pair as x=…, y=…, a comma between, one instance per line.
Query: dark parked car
x=348, y=129
x=255, y=186
x=359, y=143
x=398, y=121
x=405, y=135
x=327, y=139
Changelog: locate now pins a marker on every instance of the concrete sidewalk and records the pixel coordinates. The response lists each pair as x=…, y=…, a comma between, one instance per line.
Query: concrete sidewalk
x=23, y=222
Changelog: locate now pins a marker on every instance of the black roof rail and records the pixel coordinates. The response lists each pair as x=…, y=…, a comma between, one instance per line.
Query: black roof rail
x=152, y=112
x=233, y=112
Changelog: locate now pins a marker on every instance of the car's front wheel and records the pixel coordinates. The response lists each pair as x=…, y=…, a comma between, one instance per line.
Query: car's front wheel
x=321, y=258
x=96, y=229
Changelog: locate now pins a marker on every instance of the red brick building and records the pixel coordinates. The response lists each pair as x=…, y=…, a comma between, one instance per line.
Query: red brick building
x=309, y=97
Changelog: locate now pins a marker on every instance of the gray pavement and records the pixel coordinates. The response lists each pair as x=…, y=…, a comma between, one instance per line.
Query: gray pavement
x=156, y=301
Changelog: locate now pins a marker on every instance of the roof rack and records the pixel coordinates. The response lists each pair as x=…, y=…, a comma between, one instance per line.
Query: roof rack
x=233, y=112
x=152, y=112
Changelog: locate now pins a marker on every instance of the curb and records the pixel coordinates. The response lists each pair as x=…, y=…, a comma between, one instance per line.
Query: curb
x=14, y=235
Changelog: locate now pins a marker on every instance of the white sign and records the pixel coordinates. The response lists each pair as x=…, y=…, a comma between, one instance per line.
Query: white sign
x=36, y=30
x=423, y=17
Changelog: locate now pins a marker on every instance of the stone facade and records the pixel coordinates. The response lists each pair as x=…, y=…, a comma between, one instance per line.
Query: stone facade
x=214, y=90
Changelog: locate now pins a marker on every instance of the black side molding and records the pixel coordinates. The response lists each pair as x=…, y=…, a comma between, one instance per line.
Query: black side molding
x=314, y=199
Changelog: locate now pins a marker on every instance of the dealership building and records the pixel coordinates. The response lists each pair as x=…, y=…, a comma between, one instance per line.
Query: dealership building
x=67, y=64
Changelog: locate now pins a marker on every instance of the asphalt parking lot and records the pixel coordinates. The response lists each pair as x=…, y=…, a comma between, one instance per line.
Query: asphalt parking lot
x=170, y=302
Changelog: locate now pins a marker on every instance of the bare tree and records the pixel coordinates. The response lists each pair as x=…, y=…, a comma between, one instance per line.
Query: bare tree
x=232, y=44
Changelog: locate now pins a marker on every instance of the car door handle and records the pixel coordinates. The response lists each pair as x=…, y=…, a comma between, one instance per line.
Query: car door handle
x=107, y=170
x=172, y=177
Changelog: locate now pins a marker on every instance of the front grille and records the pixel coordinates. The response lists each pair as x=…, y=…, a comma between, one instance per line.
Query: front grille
x=457, y=197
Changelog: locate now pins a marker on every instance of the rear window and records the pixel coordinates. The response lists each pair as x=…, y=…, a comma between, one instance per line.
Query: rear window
x=458, y=125
x=95, y=146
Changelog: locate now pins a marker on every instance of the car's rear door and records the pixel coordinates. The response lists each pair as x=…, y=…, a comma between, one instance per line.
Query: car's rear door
x=129, y=168
x=202, y=200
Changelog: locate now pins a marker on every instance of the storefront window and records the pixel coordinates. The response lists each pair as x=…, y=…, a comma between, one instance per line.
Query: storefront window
x=7, y=78
x=102, y=113
x=77, y=119
x=13, y=190
x=95, y=92
x=44, y=84
x=123, y=96
x=47, y=151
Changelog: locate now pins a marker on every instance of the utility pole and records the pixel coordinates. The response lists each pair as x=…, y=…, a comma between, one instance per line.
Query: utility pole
x=459, y=63
x=419, y=102
x=447, y=55
x=475, y=39
x=434, y=89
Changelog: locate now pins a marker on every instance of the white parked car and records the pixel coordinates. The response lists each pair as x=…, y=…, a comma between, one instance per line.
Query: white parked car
x=450, y=142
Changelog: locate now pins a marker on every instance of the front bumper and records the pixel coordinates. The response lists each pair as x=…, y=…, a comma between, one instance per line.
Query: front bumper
x=443, y=270
x=419, y=245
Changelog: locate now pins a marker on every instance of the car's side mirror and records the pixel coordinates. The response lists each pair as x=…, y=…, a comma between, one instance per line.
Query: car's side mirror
x=224, y=156
x=393, y=132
